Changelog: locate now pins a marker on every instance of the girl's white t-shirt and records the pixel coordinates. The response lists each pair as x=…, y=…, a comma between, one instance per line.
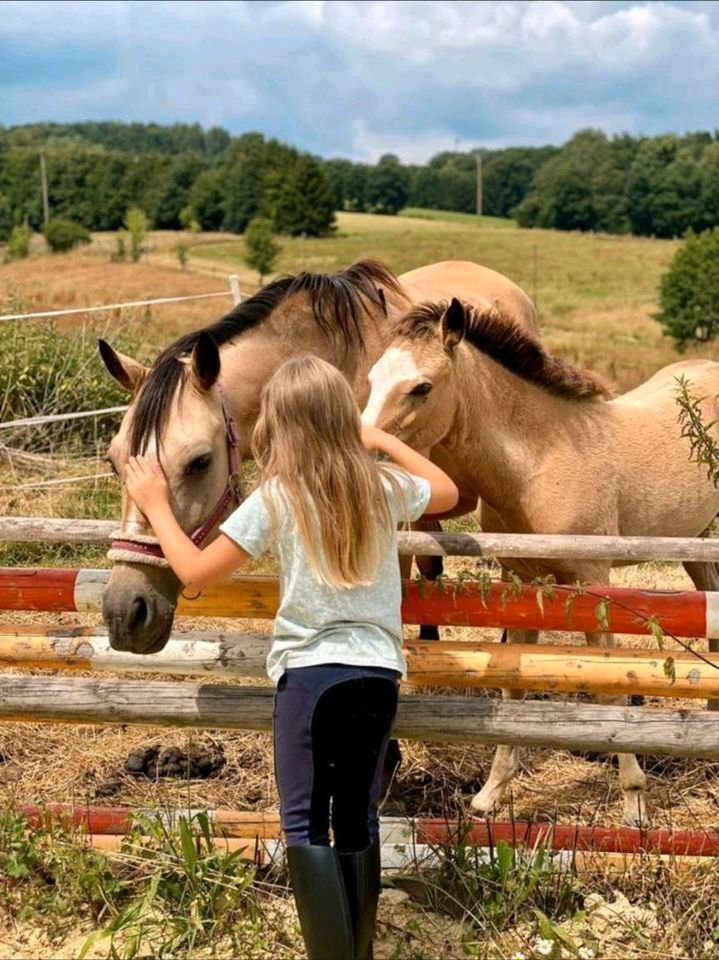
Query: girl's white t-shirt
x=319, y=624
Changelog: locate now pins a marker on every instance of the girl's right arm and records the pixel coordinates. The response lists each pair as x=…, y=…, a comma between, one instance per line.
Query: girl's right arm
x=444, y=490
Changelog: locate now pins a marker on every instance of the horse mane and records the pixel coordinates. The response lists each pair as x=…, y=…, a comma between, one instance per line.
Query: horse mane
x=506, y=343
x=336, y=301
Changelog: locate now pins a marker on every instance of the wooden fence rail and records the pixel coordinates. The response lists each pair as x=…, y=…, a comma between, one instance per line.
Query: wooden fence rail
x=557, y=669
x=536, y=546
x=684, y=613
x=685, y=733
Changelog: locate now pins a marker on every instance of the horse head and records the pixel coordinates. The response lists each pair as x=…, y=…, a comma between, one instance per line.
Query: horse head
x=413, y=391
x=177, y=414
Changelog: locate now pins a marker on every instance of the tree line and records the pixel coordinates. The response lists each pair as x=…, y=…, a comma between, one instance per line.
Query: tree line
x=182, y=176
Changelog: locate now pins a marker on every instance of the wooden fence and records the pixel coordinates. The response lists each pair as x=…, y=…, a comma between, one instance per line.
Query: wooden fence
x=575, y=726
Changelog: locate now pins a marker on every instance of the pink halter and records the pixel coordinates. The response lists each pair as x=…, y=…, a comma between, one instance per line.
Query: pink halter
x=146, y=547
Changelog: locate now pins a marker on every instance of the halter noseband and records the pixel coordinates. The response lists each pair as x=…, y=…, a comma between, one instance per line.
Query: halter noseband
x=140, y=548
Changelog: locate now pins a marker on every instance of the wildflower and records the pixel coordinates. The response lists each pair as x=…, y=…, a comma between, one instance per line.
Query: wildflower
x=544, y=948
x=518, y=956
x=586, y=953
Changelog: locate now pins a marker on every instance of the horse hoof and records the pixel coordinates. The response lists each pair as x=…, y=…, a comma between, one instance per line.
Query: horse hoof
x=483, y=805
x=635, y=811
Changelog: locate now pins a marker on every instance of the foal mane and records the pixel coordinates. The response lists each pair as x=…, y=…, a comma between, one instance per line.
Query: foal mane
x=336, y=300
x=513, y=348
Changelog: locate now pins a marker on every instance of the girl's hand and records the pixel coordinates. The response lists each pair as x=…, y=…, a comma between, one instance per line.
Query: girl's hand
x=372, y=437
x=147, y=484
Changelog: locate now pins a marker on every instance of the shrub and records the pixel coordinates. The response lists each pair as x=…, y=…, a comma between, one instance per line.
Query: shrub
x=137, y=225
x=120, y=253
x=44, y=371
x=690, y=291
x=183, y=254
x=63, y=235
x=261, y=249
x=18, y=246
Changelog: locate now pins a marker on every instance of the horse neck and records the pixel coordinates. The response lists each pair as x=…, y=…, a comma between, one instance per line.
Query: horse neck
x=250, y=360
x=506, y=428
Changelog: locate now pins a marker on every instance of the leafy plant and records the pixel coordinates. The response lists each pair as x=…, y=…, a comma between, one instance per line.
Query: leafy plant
x=495, y=890
x=261, y=248
x=183, y=254
x=186, y=892
x=137, y=226
x=63, y=235
x=44, y=371
x=690, y=291
x=18, y=246
x=47, y=873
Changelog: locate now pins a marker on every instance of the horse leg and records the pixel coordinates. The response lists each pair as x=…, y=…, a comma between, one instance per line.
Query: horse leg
x=505, y=764
x=632, y=779
x=431, y=568
x=705, y=576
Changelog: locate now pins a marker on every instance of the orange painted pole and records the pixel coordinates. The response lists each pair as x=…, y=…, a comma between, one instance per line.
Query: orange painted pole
x=684, y=613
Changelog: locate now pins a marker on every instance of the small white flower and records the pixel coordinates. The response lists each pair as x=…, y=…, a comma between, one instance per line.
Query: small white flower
x=518, y=956
x=586, y=953
x=545, y=948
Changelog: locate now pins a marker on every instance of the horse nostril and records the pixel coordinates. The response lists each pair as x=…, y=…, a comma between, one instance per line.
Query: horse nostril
x=139, y=613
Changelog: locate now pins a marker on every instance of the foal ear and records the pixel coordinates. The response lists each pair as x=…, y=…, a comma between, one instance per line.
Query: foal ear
x=129, y=373
x=205, y=361
x=453, y=324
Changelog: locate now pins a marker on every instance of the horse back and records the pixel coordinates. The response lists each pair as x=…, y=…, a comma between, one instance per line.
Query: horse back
x=473, y=284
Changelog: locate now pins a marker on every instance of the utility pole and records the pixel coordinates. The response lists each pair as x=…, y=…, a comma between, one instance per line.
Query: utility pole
x=45, y=199
x=478, y=158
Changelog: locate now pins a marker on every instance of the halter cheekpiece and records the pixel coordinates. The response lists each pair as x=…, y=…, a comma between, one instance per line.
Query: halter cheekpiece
x=141, y=548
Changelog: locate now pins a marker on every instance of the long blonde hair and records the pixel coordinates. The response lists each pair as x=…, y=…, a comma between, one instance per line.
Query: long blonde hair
x=307, y=444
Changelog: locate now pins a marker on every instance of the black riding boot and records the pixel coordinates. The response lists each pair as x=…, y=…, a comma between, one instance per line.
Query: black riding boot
x=321, y=899
x=362, y=881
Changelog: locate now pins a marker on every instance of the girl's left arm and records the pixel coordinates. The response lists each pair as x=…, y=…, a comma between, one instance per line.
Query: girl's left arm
x=147, y=485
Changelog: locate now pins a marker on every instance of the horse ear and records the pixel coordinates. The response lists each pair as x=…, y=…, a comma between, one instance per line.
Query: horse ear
x=453, y=324
x=205, y=361
x=129, y=373
x=382, y=300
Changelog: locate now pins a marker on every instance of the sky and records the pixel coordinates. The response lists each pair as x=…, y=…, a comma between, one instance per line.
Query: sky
x=359, y=78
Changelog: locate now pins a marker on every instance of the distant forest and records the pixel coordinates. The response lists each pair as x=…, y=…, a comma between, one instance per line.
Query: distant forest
x=184, y=176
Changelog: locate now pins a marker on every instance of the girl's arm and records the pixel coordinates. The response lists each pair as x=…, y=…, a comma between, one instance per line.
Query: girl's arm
x=147, y=485
x=445, y=494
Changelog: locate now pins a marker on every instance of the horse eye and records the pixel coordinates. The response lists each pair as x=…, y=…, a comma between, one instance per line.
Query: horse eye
x=421, y=390
x=198, y=465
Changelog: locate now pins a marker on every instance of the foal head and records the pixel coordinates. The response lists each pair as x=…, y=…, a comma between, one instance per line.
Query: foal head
x=418, y=382
x=413, y=388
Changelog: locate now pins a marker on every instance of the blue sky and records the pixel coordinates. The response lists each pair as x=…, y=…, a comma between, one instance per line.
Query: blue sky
x=358, y=78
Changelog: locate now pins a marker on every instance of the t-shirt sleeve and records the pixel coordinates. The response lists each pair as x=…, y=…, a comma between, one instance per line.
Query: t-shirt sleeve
x=250, y=526
x=416, y=493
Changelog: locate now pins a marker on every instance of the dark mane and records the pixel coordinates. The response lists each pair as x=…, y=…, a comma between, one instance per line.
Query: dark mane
x=510, y=346
x=337, y=301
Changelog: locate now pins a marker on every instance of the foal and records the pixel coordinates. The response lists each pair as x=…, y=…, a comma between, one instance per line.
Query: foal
x=547, y=452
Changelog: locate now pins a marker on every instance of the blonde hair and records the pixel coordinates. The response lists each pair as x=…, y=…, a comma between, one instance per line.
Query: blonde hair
x=307, y=443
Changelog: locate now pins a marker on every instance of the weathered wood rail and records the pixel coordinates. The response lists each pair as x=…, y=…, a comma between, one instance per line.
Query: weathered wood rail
x=595, y=670
x=683, y=613
x=685, y=733
x=534, y=546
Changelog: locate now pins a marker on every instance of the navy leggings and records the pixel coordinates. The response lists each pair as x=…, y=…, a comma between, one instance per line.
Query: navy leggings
x=331, y=727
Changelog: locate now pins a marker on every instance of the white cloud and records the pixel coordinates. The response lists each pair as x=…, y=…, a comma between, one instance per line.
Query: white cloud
x=363, y=77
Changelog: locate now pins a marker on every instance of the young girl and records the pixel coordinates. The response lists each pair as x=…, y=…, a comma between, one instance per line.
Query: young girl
x=329, y=513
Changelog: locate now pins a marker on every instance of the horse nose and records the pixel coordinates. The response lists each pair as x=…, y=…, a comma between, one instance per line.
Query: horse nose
x=138, y=614
x=136, y=624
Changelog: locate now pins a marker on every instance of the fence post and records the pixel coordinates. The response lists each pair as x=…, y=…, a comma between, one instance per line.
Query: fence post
x=235, y=288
